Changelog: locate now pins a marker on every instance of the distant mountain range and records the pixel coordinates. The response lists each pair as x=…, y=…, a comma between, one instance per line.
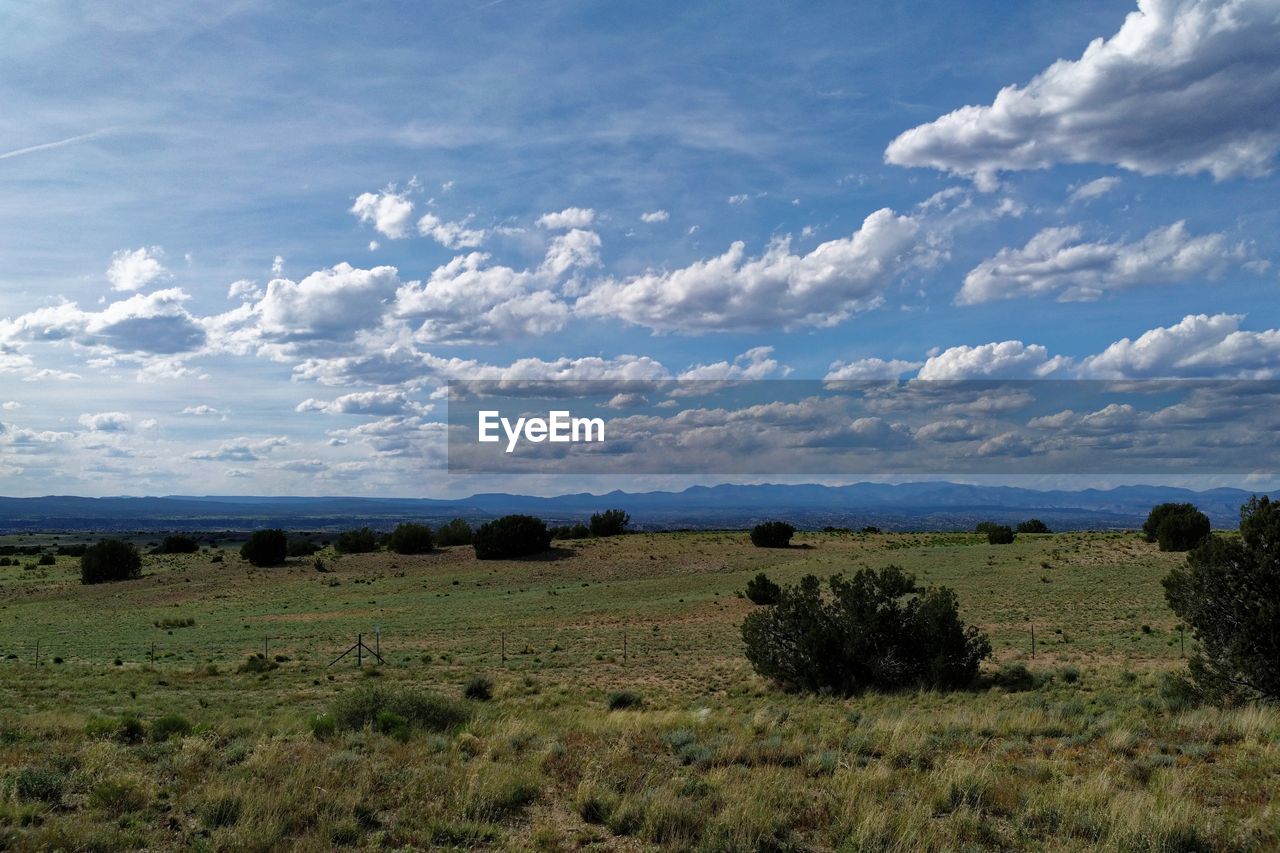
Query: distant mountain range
x=906, y=506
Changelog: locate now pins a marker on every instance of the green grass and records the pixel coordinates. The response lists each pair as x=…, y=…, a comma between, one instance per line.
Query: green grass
x=1100, y=750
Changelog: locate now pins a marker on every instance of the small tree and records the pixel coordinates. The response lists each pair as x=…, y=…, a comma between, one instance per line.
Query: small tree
x=761, y=590
x=772, y=534
x=1033, y=525
x=110, y=560
x=985, y=527
x=360, y=541
x=877, y=629
x=266, y=547
x=179, y=544
x=611, y=522
x=1176, y=527
x=302, y=547
x=409, y=538
x=456, y=532
x=1229, y=593
x=1000, y=534
x=511, y=536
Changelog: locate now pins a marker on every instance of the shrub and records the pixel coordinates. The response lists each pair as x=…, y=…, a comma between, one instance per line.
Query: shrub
x=257, y=663
x=118, y=796
x=110, y=560
x=1000, y=534
x=125, y=729
x=877, y=629
x=46, y=560
x=266, y=547
x=1015, y=677
x=456, y=532
x=5, y=561
x=611, y=522
x=772, y=534
x=621, y=700
x=221, y=810
x=38, y=783
x=409, y=538
x=511, y=536
x=392, y=725
x=323, y=726
x=1176, y=527
x=1033, y=525
x=301, y=548
x=170, y=725
x=479, y=688
x=761, y=590
x=1229, y=595
x=360, y=707
x=179, y=544
x=985, y=527
x=360, y=541
x=577, y=531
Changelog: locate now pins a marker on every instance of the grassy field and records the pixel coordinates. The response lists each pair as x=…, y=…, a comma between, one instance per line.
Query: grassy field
x=1096, y=751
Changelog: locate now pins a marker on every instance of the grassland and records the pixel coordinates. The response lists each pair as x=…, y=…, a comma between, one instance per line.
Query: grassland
x=1096, y=752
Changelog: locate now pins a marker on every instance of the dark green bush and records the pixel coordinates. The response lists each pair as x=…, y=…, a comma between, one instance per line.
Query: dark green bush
x=46, y=560
x=179, y=544
x=360, y=541
x=170, y=726
x=301, y=548
x=1000, y=534
x=1176, y=527
x=361, y=706
x=611, y=522
x=875, y=630
x=761, y=590
x=409, y=538
x=256, y=664
x=479, y=688
x=620, y=700
x=323, y=726
x=456, y=532
x=576, y=531
x=118, y=796
x=511, y=536
x=1033, y=525
x=985, y=527
x=772, y=534
x=266, y=547
x=1229, y=595
x=39, y=783
x=127, y=729
x=110, y=560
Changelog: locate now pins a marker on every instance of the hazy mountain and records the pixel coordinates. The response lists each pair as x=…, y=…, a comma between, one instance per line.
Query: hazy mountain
x=907, y=506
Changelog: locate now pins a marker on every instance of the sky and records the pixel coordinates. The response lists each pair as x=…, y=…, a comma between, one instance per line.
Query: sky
x=244, y=245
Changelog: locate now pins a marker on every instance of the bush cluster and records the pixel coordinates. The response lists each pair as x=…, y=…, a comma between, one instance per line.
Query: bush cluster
x=456, y=532
x=1176, y=527
x=410, y=538
x=179, y=544
x=1033, y=525
x=761, y=590
x=266, y=547
x=611, y=522
x=362, y=707
x=876, y=629
x=360, y=541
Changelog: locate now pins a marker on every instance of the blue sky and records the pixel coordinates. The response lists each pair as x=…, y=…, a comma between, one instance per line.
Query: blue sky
x=241, y=250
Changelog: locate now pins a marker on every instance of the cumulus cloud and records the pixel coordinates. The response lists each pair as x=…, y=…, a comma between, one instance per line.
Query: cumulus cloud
x=389, y=212
x=1185, y=86
x=1006, y=360
x=202, y=410
x=328, y=305
x=151, y=324
x=870, y=369
x=380, y=402
x=106, y=422
x=134, y=269
x=577, y=249
x=756, y=363
x=654, y=216
x=1199, y=345
x=240, y=450
x=1058, y=261
x=468, y=300
x=570, y=217
x=837, y=279
x=451, y=235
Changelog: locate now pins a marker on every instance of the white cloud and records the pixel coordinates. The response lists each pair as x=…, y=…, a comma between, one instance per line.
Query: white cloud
x=1006, y=360
x=201, y=410
x=240, y=450
x=1093, y=189
x=151, y=324
x=655, y=216
x=577, y=249
x=870, y=369
x=1198, y=345
x=468, y=301
x=134, y=269
x=451, y=235
x=1185, y=86
x=106, y=422
x=328, y=305
x=755, y=363
x=277, y=266
x=244, y=289
x=836, y=280
x=740, y=198
x=389, y=212
x=380, y=402
x=10, y=405
x=1057, y=261
x=570, y=217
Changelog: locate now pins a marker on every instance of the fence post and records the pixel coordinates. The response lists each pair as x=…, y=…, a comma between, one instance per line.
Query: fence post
x=624, y=647
x=504, y=646
x=359, y=650
x=37, y=652
x=1033, y=641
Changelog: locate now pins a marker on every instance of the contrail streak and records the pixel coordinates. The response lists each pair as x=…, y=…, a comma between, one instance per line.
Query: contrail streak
x=31, y=149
